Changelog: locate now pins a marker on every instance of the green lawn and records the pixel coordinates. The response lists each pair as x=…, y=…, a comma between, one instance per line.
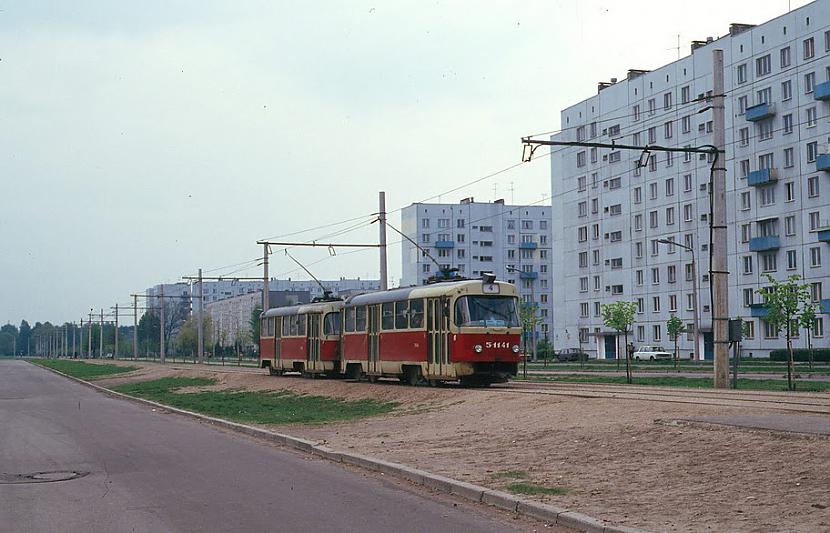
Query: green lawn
x=746, y=365
x=668, y=381
x=81, y=370
x=281, y=407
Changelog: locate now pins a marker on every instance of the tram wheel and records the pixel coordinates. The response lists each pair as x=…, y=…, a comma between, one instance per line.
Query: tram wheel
x=372, y=378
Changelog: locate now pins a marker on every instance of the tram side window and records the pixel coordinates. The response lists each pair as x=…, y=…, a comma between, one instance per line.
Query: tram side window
x=387, y=320
x=277, y=326
x=401, y=314
x=301, y=320
x=350, y=312
x=416, y=313
x=286, y=326
x=293, y=326
x=360, y=318
x=331, y=324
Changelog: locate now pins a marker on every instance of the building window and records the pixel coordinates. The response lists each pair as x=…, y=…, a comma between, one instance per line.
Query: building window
x=815, y=292
x=670, y=187
x=667, y=101
x=616, y=289
x=615, y=209
x=582, y=209
x=597, y=283
x=746, y=232
x=667, y=130
x=789, y=160
x=638, y=276
x=809, y=48
x=655, y=304
x=744, y=164
x=686, y=124
x=809, y=82
x=688, y=212
x=640, y=306
x=616, y=263
x=669, y=216
x=812, y=151
x=635, y=112
x=784, y=55
x=583, y=284
x=812, y=187
x=786, y=90
x=792, y=260
x=638, y=195
x=652, y=219
x=763, y=65
x=768, y=262
x=741, y=73
x=747, y=261
x=765, y=130
x=815, y=256
x=652, y=105
x=657, y=332
x=614, y=183
x=814, y=220
x=687, y=183
x=818, y=327
x=595, y=254
x=638, y=250
x=594, y=206
x=789, y=225
x=580, y=159
x=746, y=201
x=789, y=189
x=811, y=117
x=743, y=134
x=583, y=309
x=652, y=135
x=671, y=273
x=655, y=276
x=425, y=223
x=767, y=195
x=770, y=332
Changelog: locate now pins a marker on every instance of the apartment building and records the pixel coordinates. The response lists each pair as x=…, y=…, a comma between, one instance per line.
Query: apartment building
x=511, y=241
x=613, y=210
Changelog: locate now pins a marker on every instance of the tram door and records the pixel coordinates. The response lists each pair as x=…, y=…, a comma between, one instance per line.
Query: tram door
x=313, y=342
x=277, y=338
x=438, y=344
x=373, y=329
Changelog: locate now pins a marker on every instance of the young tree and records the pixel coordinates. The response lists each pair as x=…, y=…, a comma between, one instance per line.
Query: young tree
x=529, y=314
x=807, y=320
x=784, y=302
x=619, y=316
x=255, y=324
x=675, y=327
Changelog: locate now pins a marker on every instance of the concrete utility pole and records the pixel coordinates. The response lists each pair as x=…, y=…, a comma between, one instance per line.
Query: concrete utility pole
x=89, y=335
x=161, y=323
x=201, y=317
x=115, y=351
x=384, y=281
x=135, y=327
x=66, y=340
x=101, y=337
x=265, y=285
x=719, y=275
x=73, y=340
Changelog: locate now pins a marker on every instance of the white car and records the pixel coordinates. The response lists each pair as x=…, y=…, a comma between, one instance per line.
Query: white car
x=650, y=353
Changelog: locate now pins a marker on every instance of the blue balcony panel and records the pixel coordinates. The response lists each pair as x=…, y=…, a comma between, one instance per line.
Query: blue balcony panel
x=763, y=176
x=528, y=275
x=763, y=244
x=760, y=112
x=822, y=91
x=825, y=306
x=444, y=244
x=758, y=311
x=823, y=162
x=528, y=245
x=824, y=235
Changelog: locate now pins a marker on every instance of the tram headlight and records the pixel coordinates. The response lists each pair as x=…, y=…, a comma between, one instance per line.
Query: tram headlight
x=478, y=348
x=515, y=348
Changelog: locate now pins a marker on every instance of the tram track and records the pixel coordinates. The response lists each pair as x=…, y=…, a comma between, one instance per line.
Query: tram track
x=814, y=403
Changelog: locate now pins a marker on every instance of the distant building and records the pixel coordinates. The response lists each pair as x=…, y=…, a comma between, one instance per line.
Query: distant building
x=231, y=317
x=511, y=241
x=176, y=301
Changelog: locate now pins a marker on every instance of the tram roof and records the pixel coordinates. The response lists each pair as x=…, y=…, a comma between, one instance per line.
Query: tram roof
x=315, y=307
x=419, y=291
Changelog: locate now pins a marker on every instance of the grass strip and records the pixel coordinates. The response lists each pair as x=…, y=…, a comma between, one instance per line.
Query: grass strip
x=694, y=383
x=534, y=489
x=81, y=370
x=280, y=407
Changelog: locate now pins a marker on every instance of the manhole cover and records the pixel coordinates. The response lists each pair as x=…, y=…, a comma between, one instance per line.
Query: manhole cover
x=41, y=477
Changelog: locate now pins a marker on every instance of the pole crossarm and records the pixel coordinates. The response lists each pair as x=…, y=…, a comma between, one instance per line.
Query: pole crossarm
x=168, y=297
x=220, y=278
x=533, y=144
x=318, y=244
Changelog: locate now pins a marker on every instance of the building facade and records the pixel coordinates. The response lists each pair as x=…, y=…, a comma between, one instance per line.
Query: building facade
x=612, y=208
x=511, y=241
x=231, y=317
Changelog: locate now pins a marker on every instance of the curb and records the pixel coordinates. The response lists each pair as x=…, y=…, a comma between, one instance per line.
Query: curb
x=502, y=500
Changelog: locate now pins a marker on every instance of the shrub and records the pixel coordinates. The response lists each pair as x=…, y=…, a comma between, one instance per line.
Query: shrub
x=802, y=355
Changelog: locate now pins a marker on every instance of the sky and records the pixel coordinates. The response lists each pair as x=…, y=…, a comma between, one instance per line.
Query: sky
x=140, y=141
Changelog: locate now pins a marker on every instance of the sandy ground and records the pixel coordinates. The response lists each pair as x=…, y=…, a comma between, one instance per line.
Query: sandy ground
x=625, y=461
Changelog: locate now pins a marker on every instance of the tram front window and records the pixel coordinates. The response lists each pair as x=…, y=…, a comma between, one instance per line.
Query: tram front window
x=486, y=311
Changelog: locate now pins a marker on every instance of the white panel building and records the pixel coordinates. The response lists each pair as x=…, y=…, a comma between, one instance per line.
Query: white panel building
x=608, y=213
x=510, y=241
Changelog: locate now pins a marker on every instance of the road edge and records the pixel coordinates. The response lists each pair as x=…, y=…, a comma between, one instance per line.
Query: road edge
x=540, y=511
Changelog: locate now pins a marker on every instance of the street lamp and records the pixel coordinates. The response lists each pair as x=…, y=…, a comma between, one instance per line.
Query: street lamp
x=694, y=290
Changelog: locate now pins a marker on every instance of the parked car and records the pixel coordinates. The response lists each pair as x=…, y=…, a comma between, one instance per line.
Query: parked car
x=650, y=353
x=571, y=354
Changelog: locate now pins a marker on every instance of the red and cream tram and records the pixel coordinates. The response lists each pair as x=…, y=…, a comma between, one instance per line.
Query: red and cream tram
x=302, y=338
x=456, y=330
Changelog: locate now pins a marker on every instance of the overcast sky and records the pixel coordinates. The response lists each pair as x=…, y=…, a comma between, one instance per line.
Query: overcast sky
x=140, y=141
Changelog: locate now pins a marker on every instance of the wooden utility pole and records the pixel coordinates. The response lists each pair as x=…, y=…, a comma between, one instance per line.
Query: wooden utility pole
x=384, y=282
x=89, y=336
x=718, y=267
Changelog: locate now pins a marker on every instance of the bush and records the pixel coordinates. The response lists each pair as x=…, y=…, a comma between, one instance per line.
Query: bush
x=802, y=355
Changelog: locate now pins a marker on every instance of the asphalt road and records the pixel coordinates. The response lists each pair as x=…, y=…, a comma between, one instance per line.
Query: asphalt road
x=155, y=471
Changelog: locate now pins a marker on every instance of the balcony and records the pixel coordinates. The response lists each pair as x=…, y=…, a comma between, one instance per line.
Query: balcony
x=825, y=306
x=528, y=275
x=760, y=112
x=822, y=91
x=758, y=311
x=823, y=162
x=764, y=244
x=764, y=176
x=528, y=245
x=823, y=235
x=443, y=245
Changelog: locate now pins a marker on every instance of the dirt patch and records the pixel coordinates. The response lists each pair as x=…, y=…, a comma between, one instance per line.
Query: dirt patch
x=621, y=460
